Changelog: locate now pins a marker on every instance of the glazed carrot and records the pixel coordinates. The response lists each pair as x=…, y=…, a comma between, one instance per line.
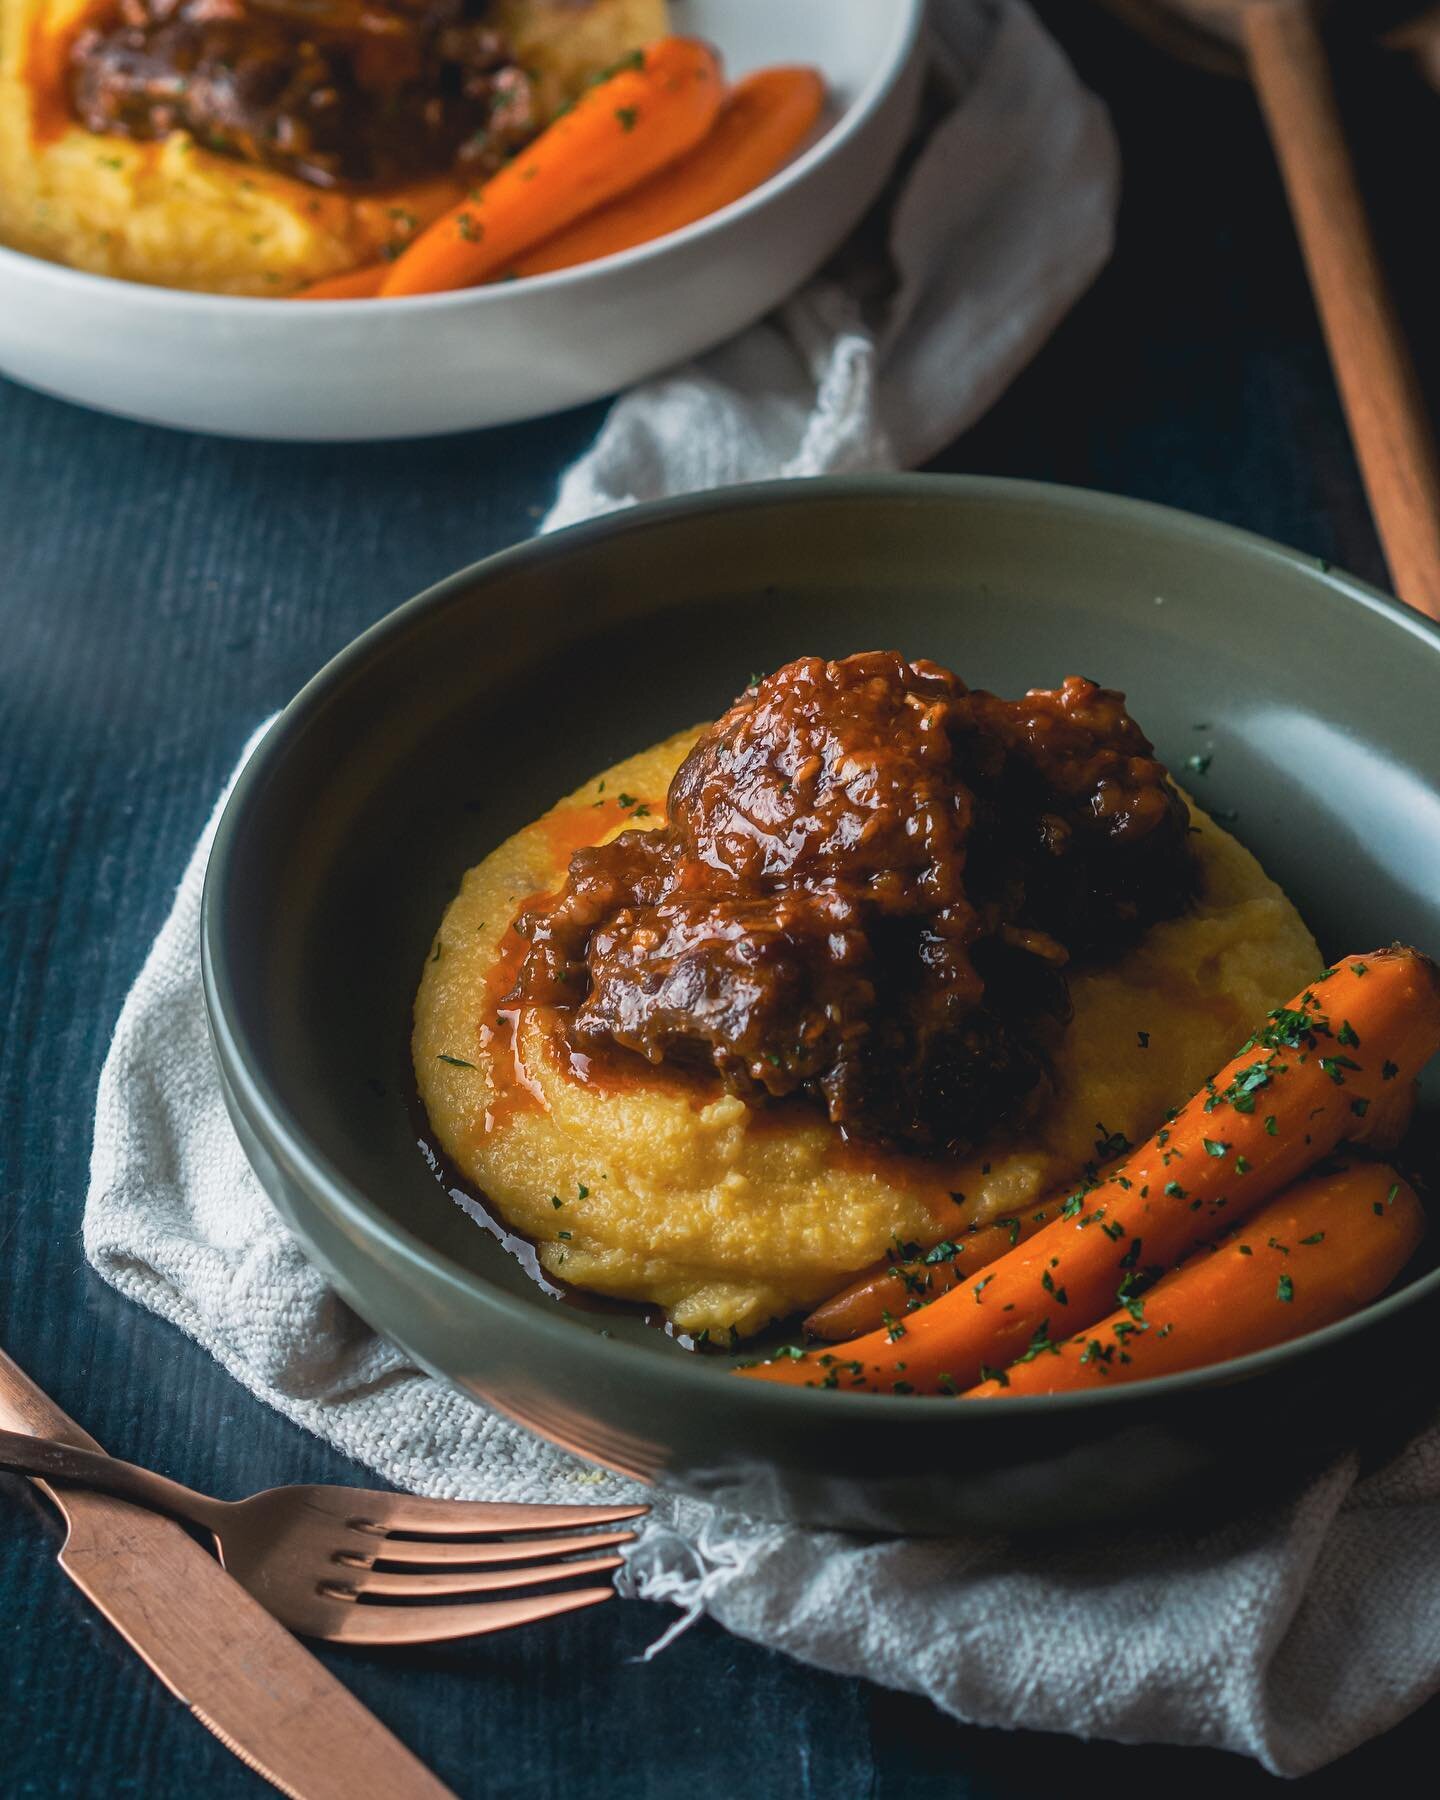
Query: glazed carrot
x=764, y=118
x=655, y=108
x=355, y=284
x=890, y=1287
x=1305, y=1081
x=1317, y=1252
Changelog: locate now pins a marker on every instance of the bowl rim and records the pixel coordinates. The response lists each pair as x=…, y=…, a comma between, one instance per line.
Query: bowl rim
x=908, y=19
x=241, y=1064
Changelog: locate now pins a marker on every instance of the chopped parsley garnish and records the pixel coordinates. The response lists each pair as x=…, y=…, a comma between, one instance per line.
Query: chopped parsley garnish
x=628, y=117
x=455, y=1062
x=1143, y=1038
x=1315, y=1237
x=1040, y=1342
x=1111, y=1144
x=1389, y=1070
x=1285, y=1289
x=1214, y=1149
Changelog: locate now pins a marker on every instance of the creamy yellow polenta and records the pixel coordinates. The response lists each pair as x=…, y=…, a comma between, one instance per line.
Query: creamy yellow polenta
x=177, y=215
x=728, y=1217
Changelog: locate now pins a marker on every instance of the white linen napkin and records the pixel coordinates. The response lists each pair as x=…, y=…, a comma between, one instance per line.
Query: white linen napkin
x=1291, y=1636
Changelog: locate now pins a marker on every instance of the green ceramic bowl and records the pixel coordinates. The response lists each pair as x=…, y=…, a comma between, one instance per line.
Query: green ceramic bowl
x=468, y=711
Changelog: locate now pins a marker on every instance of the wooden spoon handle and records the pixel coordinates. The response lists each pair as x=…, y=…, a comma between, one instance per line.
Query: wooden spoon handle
x=1382, y=400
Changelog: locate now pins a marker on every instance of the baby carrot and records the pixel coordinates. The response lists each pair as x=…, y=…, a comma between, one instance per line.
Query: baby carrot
x=763, y=120
x=354, y=284
x=889, y=1288
x=1306, y=1080
x=1317, y=1252
x=655, y=108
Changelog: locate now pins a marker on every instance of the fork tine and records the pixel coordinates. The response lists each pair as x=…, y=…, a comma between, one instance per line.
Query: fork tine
x=438, y=1552
x=372, y=1584
x=407, y=1512
x=439, y=1624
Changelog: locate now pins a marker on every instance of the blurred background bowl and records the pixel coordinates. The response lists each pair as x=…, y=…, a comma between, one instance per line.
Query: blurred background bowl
x=336, y=370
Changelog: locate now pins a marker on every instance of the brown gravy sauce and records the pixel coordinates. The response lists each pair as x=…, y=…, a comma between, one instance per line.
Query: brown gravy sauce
x=514, y=1089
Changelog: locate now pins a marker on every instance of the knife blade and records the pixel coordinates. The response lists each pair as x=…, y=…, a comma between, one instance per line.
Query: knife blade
x=247, y=1680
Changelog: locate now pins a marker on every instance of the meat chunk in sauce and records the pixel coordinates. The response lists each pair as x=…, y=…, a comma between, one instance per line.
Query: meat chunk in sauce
x=870, y=881
x=332, y=91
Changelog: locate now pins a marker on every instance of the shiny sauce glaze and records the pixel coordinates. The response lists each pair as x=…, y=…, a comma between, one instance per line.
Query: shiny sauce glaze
x=867, y=890
x=337, y=93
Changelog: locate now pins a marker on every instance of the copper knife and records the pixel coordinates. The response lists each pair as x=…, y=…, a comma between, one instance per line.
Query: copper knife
x=265, y=1697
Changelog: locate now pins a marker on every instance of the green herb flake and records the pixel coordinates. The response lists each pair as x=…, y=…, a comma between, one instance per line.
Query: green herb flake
x=1143, y=1039
x=1285, y=1289
x=1040, y=1342
x=1389, y=1070
x=1315, y=1237
x=1199, y=763
x=455, y=1062
x=629, y=117
x=1214, y=1149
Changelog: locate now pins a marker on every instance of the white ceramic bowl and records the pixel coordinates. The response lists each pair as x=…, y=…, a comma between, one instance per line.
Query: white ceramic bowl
x=451, y=362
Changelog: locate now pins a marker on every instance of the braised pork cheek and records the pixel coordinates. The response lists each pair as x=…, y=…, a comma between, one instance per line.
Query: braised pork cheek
x=334, y=92
x=868, y=886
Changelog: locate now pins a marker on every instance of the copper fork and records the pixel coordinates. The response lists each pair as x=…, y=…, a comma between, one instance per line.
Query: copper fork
x=342, y=1563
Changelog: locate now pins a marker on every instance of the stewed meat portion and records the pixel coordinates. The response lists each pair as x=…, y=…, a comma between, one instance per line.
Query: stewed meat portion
x=335, y=92
x=867, y=889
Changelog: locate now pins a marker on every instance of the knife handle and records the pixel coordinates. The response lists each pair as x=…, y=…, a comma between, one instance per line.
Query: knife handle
x=25, y=1407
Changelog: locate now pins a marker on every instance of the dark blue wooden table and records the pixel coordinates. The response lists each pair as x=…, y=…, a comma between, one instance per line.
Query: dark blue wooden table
x=159, y=594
